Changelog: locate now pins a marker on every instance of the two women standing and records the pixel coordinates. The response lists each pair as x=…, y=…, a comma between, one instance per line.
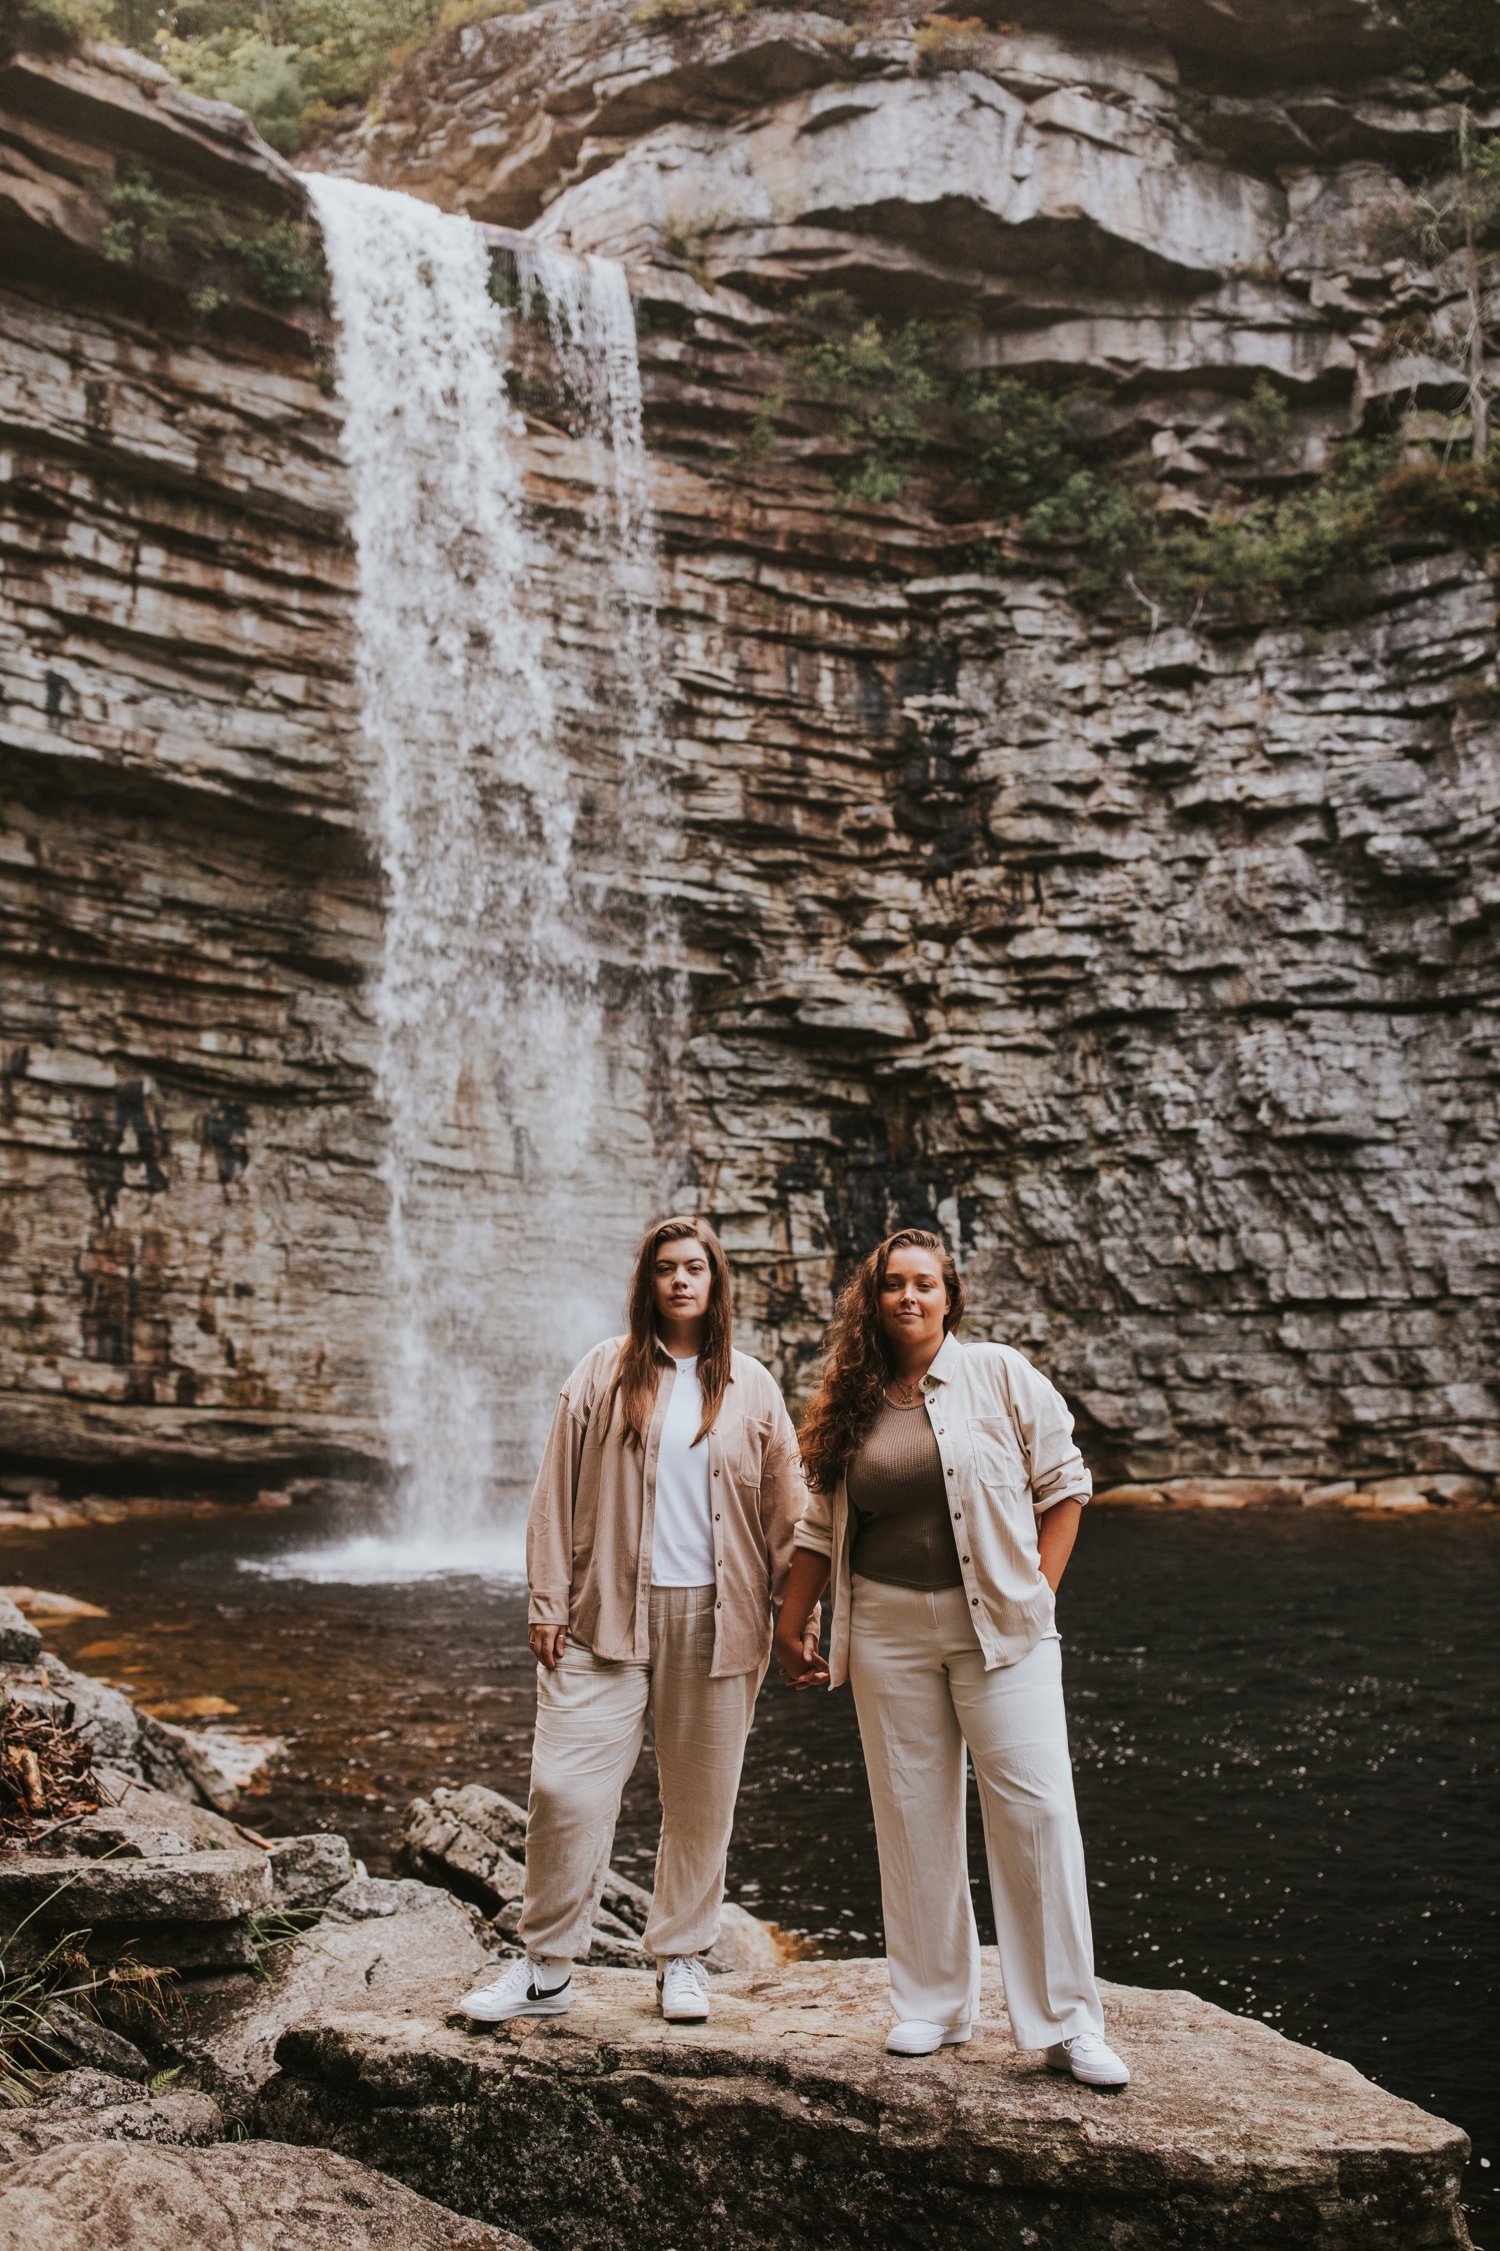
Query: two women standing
x=656, y=1550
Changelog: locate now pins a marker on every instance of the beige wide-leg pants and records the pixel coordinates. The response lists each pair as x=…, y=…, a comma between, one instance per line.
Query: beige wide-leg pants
x=590, y=1725
x=923, y=1694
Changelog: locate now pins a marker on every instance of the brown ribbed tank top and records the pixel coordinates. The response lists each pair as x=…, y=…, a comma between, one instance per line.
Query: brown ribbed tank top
x=897, y=1492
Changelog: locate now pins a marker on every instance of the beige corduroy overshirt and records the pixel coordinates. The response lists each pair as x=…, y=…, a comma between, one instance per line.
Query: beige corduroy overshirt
x=1005, y=1439
x=588, y=1536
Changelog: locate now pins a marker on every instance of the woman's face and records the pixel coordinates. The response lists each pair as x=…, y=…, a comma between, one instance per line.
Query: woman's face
x=683, y=1279
x=913, y=1300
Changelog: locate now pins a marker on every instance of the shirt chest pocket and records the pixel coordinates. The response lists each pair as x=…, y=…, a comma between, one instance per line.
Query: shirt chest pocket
x=995, y=1454
x=744, y=1445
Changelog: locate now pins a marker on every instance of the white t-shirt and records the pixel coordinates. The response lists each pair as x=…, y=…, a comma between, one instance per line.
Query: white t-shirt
x=682, y=1542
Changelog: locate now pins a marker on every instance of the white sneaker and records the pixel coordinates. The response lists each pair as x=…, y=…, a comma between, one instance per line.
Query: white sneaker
x=1090, y=2060
x=916, y=2037
x=684, y=1990
x=518, y=1992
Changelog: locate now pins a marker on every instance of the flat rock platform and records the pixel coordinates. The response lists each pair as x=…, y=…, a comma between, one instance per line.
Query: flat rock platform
x=782, y=2121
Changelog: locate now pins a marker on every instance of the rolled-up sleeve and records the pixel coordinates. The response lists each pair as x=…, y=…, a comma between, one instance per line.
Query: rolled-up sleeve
x=815, y=1526
x=783, y=1497
x=1045, y=1428
x=549, y=1523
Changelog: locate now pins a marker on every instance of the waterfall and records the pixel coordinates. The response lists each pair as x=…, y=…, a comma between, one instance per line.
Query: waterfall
x=520, y=1157
x=591, y=322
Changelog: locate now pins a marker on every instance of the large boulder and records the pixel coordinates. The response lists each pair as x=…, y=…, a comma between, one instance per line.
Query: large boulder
x=187, y=1910
x=90, y=2106
x=782, y=2120
x=241, y=2196
x=376, y=1936
x=473, y=1841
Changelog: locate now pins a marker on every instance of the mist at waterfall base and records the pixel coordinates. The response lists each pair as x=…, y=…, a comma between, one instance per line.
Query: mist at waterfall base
x=515, y=1174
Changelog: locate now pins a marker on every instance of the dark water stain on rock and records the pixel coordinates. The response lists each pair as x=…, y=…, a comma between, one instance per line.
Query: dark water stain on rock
x=224, y=1133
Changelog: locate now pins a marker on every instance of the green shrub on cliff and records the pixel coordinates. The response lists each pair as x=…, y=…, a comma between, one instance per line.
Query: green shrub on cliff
x=885, y=382
x=193, y=241
x=1063, y=476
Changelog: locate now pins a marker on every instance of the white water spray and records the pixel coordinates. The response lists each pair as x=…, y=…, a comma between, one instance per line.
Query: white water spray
x=516, y=1180
x=592, y=325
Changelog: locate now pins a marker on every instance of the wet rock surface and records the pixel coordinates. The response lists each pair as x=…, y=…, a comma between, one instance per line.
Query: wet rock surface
x=782, y=2118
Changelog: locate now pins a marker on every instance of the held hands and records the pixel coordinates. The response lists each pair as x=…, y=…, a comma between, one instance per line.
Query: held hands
x=547, y=1644
x=797, y=1655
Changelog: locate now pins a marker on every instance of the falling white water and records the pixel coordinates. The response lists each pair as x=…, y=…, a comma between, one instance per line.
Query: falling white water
x=592, y=325
x=516, y=1179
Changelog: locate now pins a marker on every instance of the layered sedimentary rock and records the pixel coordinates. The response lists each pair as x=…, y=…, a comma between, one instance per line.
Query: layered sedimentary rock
x=1149, y=956
x=188, y=1188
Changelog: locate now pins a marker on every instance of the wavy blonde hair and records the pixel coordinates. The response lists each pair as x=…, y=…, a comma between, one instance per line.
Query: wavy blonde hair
x=858, y=1366
x=639, y=1367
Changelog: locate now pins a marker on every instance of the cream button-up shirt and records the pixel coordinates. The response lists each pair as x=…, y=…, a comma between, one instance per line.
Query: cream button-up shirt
x=1005, y=1439
x=588, y=1536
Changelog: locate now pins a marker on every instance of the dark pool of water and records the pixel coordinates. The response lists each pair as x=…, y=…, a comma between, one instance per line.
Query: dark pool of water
x=1286, y=1733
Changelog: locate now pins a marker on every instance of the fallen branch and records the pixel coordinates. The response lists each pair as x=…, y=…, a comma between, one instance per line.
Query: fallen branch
x=46, y=1772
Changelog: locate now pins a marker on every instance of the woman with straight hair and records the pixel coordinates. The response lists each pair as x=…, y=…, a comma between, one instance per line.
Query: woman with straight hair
x=659, y=1537
x=945, y=1497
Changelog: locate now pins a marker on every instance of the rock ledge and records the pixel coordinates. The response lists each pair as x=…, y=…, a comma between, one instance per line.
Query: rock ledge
x=782, y=2120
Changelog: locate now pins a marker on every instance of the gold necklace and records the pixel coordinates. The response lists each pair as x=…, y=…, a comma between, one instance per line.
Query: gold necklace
x=908, y=1394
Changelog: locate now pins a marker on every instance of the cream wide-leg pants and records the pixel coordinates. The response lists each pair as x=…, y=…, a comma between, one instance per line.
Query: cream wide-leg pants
x=922, y=1694
x=590, y=1725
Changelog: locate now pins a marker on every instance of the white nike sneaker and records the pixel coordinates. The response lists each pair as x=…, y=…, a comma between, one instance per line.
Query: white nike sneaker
x=917, y=2037
x=1090, y=2060
x=518, y=1992
x=684, y=1990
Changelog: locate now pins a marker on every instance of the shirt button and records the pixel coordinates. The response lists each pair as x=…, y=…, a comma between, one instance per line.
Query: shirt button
x=963, y=1559
x=958, y=1516
x=974, y=1601
x=718, y=1516
x=950, y=1473
x=716, y=1473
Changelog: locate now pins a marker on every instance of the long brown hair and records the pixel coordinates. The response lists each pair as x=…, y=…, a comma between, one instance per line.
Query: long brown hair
x=858, y=1366
x=638, y=1366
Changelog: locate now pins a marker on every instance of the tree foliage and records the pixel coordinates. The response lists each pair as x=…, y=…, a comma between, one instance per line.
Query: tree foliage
x=287, y=63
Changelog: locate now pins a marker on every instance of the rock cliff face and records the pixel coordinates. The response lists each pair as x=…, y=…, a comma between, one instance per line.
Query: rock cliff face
x=1147, y=953
x=189, y=909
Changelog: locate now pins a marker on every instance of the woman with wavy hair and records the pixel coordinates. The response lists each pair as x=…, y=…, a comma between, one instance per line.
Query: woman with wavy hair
x=659, y=1536
x=945, y=1497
